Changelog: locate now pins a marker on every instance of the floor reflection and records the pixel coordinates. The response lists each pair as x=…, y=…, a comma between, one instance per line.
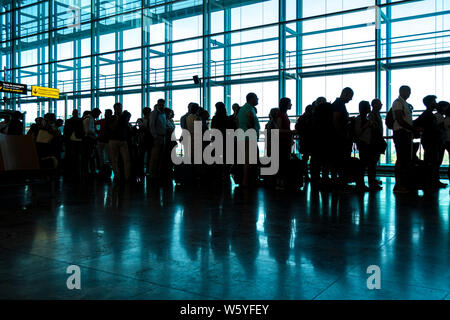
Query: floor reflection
x=221, y=241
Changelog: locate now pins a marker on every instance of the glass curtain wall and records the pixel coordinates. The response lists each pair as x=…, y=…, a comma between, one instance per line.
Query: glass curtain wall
x=98, y=52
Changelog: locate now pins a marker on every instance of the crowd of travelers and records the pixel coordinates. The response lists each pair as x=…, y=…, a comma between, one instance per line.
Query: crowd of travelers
x=336, y=149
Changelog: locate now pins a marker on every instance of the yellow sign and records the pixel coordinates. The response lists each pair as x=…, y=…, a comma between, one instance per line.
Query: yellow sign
x=44, y=92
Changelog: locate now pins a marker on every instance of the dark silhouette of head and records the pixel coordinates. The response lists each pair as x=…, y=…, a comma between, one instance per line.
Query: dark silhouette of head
x=126, y=116
x=285, y=104
x=161, y=104
x=146, y=112
x=193, y=107
x=405, y=92
x=252, y=99
x=118, y=108
x=319, y=101
x=443, y=106
x=96, y=113
x=364, y=107
x=75, y=113
x=430, y=102
x=376, y=105
x=347, y=94
x=17, y=115
x=108, y=113
x=235, y=107
x=273, y=113
x=221, y=110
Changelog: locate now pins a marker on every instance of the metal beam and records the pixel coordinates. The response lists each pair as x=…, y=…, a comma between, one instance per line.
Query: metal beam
x=227, y=59
x=206, y=88
x=168, y=56
x=282, y=49
x=299, y=58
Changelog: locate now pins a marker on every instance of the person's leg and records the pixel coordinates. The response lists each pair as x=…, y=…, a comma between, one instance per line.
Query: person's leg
x=441, y=154
x=284, y=156
x=334, y=160
x=101, y=154
x=68, y=160
x=140, y=159
x=315, y=166
x=155, y=159
x=80, y=157
x=429, y=158
x=364, y=157
x=114, y=149
x=84, y=158
x=163, y=163
x=93, y=157
x=125, y=154
x=372, y=168
x=403, y=148
x=246, y=167
x=436, y=164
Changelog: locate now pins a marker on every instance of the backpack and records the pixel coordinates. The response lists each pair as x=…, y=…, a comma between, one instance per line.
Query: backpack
x=78, y=128
x=390, y=119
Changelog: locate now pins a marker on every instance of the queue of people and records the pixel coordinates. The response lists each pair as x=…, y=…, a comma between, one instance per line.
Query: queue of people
x=88, y=147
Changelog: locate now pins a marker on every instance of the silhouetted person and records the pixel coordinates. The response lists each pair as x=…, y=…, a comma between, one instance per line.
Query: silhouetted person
x=271, y=125
x=220, y=120
x=430, y=138
x=73, y=134
x=15, y=125
x=442, y=108
x=90, y=141
x=103, y=150
x=378, y=130
x=34, y=128
x=167, y=164
x=158, y=129
x=447, y=135
x=190, y=123
x=403, y=138
x=321, y=152
x=247, y=119
x=342, y=146
x=285, y=141
x=49, y=138
x=145, y=141
x=184, y=117
x=364, y=131
x=304, y=128
x=118, y=136
x=233, y=117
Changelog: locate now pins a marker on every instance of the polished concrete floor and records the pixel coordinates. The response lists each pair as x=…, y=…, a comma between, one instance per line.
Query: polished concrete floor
x=135, y=242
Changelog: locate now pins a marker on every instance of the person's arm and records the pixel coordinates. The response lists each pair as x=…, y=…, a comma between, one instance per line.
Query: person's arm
x=397, y=109
x=398, y=114
x=251, y=119
x=337, y=120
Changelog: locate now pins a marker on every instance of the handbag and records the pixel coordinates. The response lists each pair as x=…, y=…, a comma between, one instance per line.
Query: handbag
x=44, y=136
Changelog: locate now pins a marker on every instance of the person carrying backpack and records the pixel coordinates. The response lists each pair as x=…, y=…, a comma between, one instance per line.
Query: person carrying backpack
x=403, y=139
